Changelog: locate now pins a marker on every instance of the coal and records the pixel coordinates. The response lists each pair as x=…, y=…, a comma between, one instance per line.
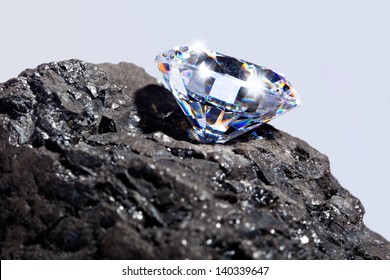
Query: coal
x=97, y=162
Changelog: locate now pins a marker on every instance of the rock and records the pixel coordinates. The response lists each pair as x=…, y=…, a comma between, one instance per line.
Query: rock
x=96, y=163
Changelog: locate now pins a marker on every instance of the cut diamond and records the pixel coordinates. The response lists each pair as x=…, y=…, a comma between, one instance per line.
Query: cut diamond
x=224, y=97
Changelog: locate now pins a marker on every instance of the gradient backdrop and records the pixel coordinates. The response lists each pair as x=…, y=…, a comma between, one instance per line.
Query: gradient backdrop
x=336, y=53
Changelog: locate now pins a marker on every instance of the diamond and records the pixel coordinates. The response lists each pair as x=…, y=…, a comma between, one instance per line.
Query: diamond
x=222, y=96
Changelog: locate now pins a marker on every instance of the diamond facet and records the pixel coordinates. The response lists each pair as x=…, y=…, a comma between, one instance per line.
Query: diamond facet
x=222, y=96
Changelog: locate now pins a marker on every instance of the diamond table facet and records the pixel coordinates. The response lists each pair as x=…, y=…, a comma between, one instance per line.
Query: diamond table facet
x=224, y=97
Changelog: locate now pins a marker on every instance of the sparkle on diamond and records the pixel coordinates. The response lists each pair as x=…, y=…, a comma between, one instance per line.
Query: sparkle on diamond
x=224, y=97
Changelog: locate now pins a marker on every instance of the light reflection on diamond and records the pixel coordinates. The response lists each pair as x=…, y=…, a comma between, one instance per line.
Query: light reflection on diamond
x=224, y=97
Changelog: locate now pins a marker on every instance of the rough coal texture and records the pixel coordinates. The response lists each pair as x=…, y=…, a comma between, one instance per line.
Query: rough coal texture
x=96, y=163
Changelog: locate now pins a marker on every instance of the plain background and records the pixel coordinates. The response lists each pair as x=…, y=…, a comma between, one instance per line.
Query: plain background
x=335, y=53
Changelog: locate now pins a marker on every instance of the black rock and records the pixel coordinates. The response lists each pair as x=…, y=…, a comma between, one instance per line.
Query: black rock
x=96, y=163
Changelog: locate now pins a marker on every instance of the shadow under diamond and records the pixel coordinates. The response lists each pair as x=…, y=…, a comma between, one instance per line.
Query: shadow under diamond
x=159, y=111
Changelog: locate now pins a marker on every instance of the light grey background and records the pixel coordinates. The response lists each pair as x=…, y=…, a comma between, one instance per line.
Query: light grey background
x=336, y=54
